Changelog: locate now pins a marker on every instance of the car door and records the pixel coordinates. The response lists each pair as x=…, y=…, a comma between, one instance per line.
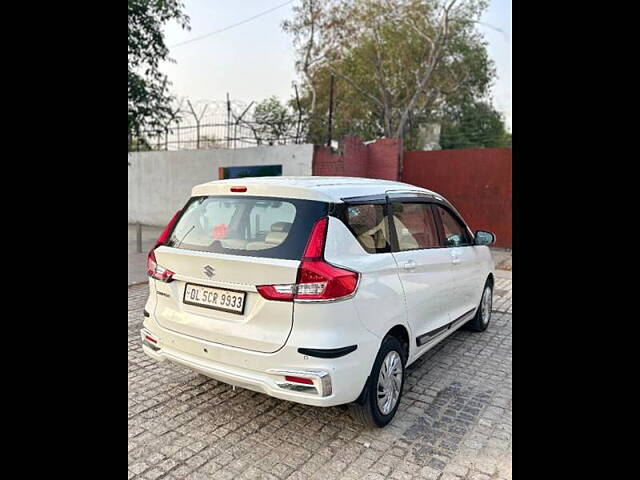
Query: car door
x=423, y=266
x=466, y=262
x=220, y=250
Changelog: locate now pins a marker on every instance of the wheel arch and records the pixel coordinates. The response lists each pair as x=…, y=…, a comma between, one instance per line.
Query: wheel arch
x=401, y=332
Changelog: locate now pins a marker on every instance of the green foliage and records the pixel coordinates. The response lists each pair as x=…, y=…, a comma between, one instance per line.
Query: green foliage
x=397, y=64
x=273, y=121
x=149, y=96
x=210, y=141
x=475, y=125
x=139, y=145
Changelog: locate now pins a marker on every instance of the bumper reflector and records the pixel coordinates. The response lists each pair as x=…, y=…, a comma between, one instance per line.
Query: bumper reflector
x=306, y=381
x=149, y=340
x=315, y=382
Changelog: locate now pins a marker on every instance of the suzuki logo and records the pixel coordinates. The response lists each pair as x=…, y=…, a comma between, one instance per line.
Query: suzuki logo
x=209, y=271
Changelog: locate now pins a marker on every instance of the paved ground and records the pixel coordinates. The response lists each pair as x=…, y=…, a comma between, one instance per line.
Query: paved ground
x=138, y=261
x=454, y=421
x=501, y=258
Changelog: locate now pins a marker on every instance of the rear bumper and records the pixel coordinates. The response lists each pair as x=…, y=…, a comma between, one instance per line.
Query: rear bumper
x=334, y=380
x=271, y=384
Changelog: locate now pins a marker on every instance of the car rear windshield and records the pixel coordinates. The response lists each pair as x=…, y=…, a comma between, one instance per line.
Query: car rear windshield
x=249, y=226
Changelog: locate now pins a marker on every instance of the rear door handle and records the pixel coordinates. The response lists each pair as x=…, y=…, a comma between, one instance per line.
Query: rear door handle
x=455, y=261
x=410, y=265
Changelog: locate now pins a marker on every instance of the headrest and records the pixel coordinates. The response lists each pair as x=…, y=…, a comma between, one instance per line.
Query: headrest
x=359, y=229
x=281, y=227
x=275, y=238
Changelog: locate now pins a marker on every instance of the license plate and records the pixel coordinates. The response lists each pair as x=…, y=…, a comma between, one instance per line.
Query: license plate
x=215, y=298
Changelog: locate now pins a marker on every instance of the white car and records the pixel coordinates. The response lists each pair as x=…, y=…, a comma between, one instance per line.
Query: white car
x=303, y=289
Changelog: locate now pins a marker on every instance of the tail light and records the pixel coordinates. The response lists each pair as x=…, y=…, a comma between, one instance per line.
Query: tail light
x=156, y=271
x=317, y=279
x=153, y=269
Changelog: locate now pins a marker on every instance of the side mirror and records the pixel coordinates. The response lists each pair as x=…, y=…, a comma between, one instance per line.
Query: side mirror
x=484, y=238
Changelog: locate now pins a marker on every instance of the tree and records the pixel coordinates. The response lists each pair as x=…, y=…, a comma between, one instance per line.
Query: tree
x=208, y=142
x=139, y=144
x=273, y=121
x=310, y=28
x=475, y=125
x=397, y=62
x=149, y=96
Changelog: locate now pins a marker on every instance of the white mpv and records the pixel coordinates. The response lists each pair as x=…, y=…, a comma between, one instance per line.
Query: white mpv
x=318, y=290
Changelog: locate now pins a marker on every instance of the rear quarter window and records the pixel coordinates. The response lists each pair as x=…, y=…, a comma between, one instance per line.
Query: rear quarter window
x=369, y=226
x=247, y=226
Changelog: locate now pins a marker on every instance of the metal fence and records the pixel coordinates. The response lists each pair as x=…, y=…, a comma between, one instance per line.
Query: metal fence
x=206, y=125
x=217, y=134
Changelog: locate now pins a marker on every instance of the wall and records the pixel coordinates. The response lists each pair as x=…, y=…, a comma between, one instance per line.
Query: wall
x=377, y=159
x=160, y=183
x=476, y=181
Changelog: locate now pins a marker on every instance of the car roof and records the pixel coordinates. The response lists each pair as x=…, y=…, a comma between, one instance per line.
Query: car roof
x=326, y=189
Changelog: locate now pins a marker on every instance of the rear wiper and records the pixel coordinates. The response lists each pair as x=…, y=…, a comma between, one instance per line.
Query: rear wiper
x=185, y=236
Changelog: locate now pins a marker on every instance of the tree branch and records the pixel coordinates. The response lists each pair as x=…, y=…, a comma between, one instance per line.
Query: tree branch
x=307, y=58
x=381, y=83
x=434, y=58
x=356, y=88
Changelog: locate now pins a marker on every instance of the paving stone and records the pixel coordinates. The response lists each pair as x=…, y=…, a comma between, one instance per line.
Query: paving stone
x=454, y=420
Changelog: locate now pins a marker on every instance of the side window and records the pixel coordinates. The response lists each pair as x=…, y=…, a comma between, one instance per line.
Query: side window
x=369, y=226
x=455, y=234
x=415, y=226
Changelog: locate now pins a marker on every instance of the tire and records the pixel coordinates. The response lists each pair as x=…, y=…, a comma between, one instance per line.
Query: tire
x=480, y=321
x=366, y=410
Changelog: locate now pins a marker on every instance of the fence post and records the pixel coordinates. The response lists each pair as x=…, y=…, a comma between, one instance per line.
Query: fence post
x=138, y=237
x=228, y=121
x=198, y=120
x=237, y=123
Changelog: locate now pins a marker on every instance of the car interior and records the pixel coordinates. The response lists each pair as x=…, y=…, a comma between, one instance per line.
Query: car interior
x=415, y=226
x=369, y=225
x=237, y=226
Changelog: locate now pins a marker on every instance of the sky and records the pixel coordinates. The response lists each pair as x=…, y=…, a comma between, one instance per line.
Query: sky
x=255, y=60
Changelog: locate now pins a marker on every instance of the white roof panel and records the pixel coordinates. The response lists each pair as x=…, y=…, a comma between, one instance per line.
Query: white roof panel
x=326, y=189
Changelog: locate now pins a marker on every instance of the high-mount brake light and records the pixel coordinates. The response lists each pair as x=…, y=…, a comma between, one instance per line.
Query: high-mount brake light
x=153, y=269
x=238, y=189
x=317, y=279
